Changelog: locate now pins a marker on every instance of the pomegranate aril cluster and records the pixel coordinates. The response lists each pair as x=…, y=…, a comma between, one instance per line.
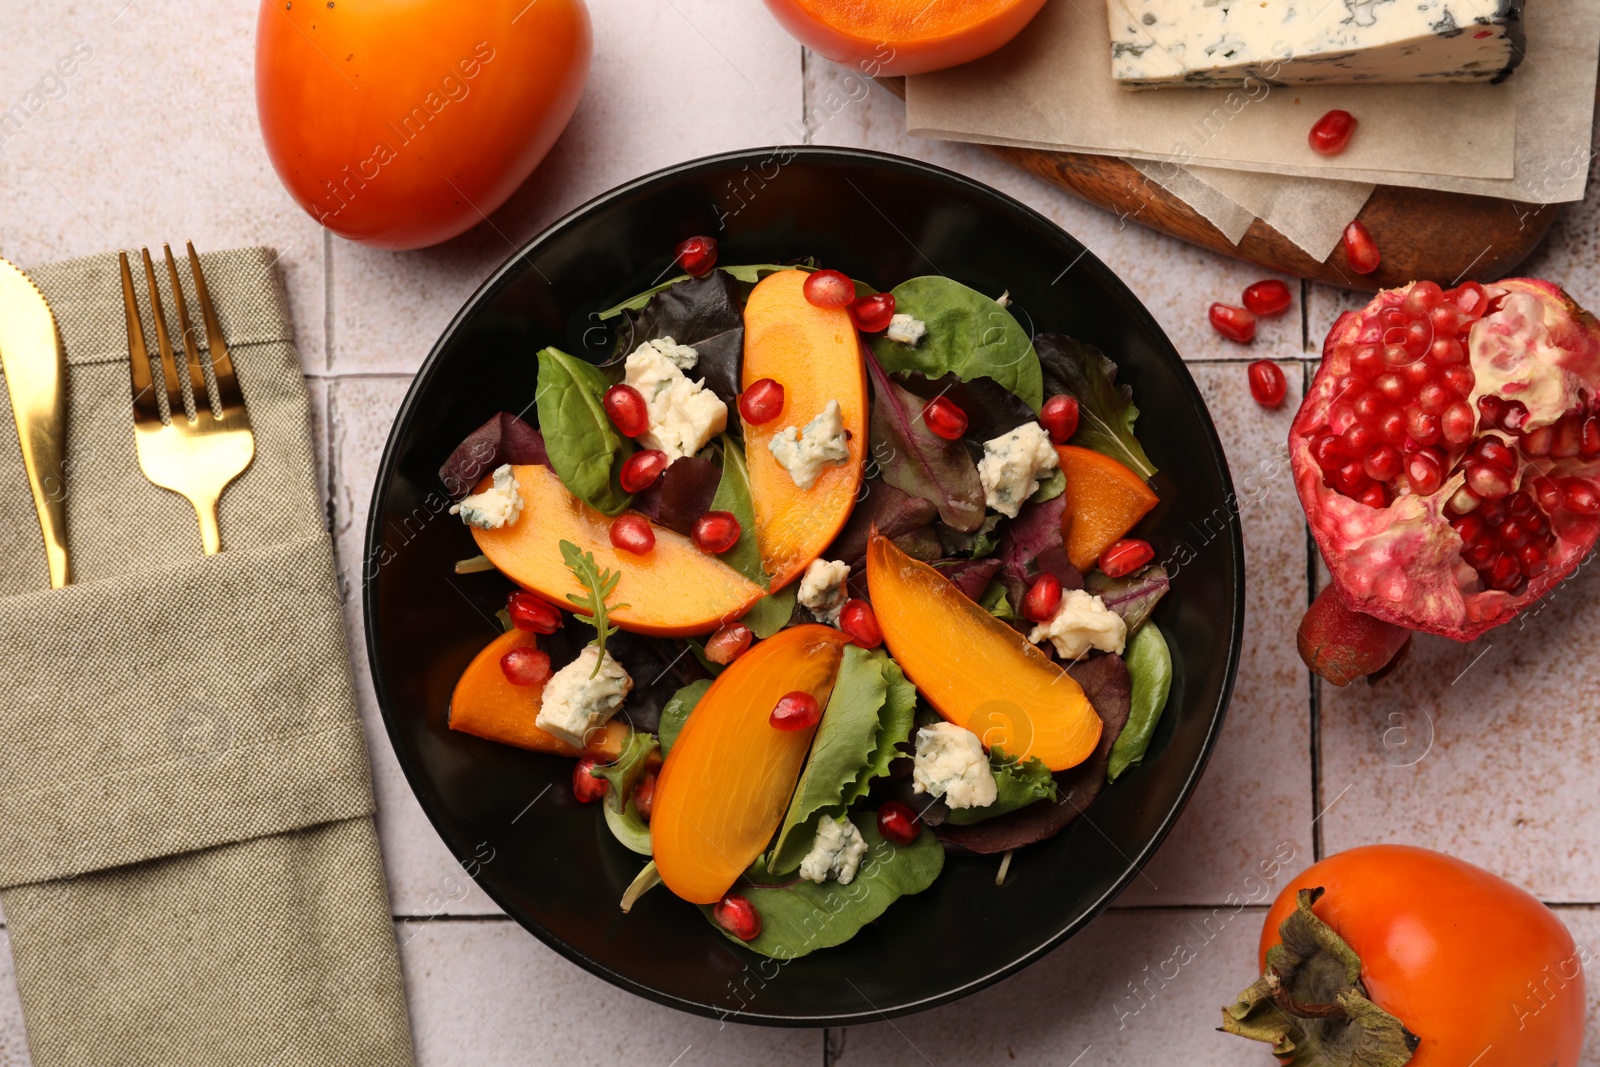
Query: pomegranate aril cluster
x=1507, y=540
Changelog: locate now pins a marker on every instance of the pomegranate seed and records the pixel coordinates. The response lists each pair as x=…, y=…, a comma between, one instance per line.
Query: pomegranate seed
x=1382, y=463
x=529, y=612
x=640, y=470
x=1549, y=494
x=697, y=255
x=1125, y=557
x=1457, y=424
x=898, y=822
x=1349, y=479
x=1236, y=324
x=1446, y=351
x=1327, y=452
x=1267, y=383
x=829, y=289
x=633, y=533
x=1580, y=496
x=1369, y=405
x=585, y=786
x=1059, y=417
x=625, y=407
x=945, y=418
x=762, y=402
x=1270, y=297
x=1471, y=299
x=715, y=532
x=1568, y=440
x=1422, y=427
x=1516, y=416
x=644, y=794
x=728, y=643
x=1459, y=380
x=1424, y=472
x=1360, y=249
x=738, y=916
x=1422, y=298
x=1044, y=597
x=1538, y=442
x=1332, y=132
x=1493, y=451
x=1463, y=501
x=1392, y=427
x=1533, y=560
x=1374, y=496
x=858, y=620
x=1433, y=398
x=1367, y=362
x=1589, y=439
x=1488, y=482
x=1493, y=410
x=525, y=666
x=871, y=314
x=798, y=710
x=1391, y=387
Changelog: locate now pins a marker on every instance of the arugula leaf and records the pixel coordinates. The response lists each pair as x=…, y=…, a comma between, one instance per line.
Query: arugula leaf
x=585, y=450
x=1150, y=665
x=1133, y=597
x=915, y=460
x=1106, y=412
x=968, y=334
x=623, y=772
x=592, y=608
x=629, y=828
x=676, y=713
x=800, y=917
x=1017, y=785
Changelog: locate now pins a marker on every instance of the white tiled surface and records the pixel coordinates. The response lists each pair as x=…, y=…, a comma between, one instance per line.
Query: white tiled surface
x=155, y=139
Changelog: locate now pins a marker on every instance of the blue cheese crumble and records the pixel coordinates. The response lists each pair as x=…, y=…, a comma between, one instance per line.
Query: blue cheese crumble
x=684, y=414
x=574, y=704
x=823, y=590
x=497, y=506
x=836, y=852
x=1011, y=466
x=1082, y=622
x=906, y=330
x=804, y=452
x=950, y=763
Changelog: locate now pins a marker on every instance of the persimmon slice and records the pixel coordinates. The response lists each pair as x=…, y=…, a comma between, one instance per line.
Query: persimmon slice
x=1103, y=501
x=486, y=704
x=726, y=783
x=975, y=670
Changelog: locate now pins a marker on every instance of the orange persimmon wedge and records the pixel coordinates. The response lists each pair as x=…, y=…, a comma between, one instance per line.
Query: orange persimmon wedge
x=726, y=783
x=886, y=38
x=1104, y=500
x=672, y=590
x=815, y=354
x=486, y=704
x=975, y=670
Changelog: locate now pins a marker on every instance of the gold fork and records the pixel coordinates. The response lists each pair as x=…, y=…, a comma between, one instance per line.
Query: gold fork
x=195, y=457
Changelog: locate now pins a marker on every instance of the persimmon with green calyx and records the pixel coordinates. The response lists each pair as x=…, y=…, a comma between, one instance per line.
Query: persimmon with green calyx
x=486, y=704
x=975, y=670
x=1390, y=955
x=726, y=782
x=889, y=38
x=815, y=354
x=1104, y=500
x=671, y=591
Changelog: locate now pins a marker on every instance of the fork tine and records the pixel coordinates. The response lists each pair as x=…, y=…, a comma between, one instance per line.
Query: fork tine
x=228, y=394
x=144, y=394
x=169, y=368
x=191, y=351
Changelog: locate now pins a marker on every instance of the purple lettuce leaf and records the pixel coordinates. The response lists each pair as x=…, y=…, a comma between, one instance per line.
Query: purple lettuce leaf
x=1031, y=545
x=913, y=458
x=706, y=314
x=682, y=495
x=971, y=576
x=895, y=513
x=991, y=408
x=503, y=439
x=1134, y=596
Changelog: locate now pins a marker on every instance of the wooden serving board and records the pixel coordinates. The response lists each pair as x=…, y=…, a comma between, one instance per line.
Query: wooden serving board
x=1444, y=237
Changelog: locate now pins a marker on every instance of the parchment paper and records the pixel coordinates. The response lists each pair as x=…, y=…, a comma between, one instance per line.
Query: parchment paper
x=1216, y=207
x=1311, y=212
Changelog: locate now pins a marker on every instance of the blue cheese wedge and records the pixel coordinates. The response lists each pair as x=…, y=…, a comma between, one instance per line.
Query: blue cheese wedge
x=836, y=852
x=497, y=506
x=1157, y=43
x=684, y=414
x=804, y=451
x=576, y=700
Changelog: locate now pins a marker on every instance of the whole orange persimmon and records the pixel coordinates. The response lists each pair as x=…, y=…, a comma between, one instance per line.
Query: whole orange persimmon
x=888, y=38
x=402, y=124
x=1390, y=955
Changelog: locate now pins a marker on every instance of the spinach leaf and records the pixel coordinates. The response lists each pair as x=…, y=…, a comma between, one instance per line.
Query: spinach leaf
x=733, y=496
x=854, y=743
x=772, y=612
x=918, y=461
x=968, y=334
x=1106, y=412
x=623, y=772
x=585, y=450
x=705, y=313
x=1133, y=597
x=1017, y=784
x=1150, y=665
x=799, y=917
x=676, y=713
x=629, y=828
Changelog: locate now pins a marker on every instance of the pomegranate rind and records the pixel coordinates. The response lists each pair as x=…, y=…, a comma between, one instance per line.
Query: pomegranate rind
x=1402, y=564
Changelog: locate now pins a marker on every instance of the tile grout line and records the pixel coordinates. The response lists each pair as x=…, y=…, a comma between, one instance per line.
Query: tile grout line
x=1305, y=315
x=805, y=95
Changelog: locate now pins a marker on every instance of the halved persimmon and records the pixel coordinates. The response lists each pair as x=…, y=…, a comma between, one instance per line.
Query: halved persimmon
x=887, y=38
x=815, y=354
x=672, y=590
x=486, y=704
x=1104, y=500
x=975, y=670
x=726, y=783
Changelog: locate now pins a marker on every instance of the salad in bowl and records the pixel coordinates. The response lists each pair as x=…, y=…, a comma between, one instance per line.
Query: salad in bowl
x=817, y=585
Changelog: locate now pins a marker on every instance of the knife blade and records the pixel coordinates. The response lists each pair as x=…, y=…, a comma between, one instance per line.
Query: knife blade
x=35, y=369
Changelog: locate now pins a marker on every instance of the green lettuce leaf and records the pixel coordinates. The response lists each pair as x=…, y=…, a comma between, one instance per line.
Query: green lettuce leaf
x=968, y=334
x=1150, y=666
x=629, y=828
x=585, y=450
x=676, y=712
x=799, y=917
x=1051, y=486
x=1106, y=412
x=1017, y=785
x=623, y=772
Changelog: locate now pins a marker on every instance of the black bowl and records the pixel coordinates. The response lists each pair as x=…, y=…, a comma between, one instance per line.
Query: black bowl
x=509, y=815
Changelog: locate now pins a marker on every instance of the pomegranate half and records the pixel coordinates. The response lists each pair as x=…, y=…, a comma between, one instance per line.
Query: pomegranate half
x=1447, y=455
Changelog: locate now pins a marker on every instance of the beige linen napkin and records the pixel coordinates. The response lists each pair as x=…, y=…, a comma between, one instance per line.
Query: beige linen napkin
x=188, y=863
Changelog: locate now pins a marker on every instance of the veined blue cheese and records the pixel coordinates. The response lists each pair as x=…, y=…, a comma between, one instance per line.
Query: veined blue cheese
x=804, y=451
x=497, y=506
x=1158, y=43
x=950, y=764
x=684, y=414
x=1012, y=465
x=823, y=590
x=836, y=852
x=577, y=699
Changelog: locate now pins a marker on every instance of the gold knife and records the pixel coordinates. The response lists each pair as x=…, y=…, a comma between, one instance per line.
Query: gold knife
x=35, y=368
